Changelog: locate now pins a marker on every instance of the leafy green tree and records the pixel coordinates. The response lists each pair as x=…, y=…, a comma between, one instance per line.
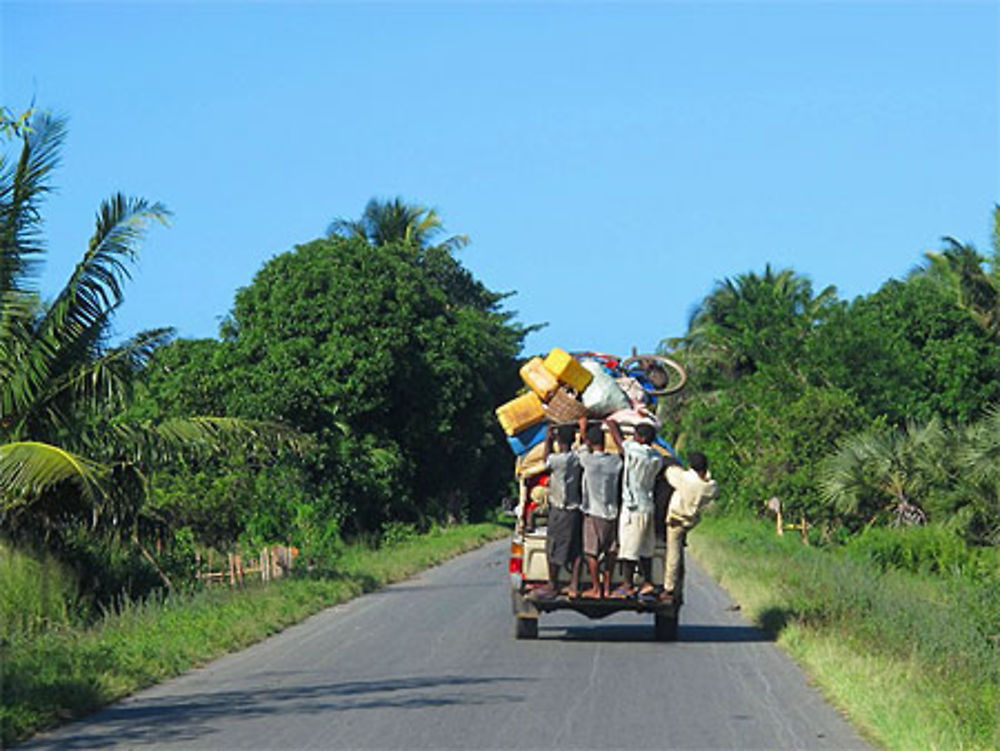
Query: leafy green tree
x=366, y=350
x=391, y=358
x=907, y=352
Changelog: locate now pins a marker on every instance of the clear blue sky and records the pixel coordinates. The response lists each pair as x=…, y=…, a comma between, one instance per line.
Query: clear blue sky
x=609, y=161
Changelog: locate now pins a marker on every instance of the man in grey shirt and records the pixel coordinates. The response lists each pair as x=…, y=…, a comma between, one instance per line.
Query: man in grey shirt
x=600, y=492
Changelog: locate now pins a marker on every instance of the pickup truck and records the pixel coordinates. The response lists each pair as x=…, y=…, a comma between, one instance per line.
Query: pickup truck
x=528, y=566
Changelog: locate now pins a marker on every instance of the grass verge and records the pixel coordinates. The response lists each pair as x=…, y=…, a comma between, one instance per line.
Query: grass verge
x=65, y=673
x=914, y=660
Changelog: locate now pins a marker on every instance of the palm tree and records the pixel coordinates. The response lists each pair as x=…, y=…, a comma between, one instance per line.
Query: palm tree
x=890, y=474
x=973, y=278
x=65, y=450
x=978, y=517
x=750, y=319
x=394, y=220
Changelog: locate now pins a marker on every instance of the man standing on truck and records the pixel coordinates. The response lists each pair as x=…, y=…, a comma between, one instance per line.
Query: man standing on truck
x=636, y=540
x=564, y=536
x=601, y=473
x=693, y=489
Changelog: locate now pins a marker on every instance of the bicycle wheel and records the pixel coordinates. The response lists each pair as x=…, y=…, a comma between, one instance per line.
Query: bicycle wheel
x=665, y=375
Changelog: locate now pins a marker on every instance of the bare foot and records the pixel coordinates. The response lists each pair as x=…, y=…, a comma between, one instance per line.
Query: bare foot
x=591, y=594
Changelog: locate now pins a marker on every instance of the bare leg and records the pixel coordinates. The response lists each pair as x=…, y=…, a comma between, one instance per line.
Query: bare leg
x=595, y=582
x=574, y=580
x=628, y=568
x=609, y=567
x=646, y=572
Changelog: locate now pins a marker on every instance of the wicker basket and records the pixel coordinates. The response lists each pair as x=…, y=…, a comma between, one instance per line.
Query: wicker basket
x=564, y=408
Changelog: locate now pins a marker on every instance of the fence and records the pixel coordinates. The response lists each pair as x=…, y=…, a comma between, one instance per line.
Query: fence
x=271, y=563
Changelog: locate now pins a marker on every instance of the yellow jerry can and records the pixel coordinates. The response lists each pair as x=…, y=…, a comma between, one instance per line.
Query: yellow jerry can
x=520, y=413
x=568, y=370
x=539, y=379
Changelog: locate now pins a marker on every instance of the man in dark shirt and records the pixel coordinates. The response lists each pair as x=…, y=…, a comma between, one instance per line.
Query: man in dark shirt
x=563, y=539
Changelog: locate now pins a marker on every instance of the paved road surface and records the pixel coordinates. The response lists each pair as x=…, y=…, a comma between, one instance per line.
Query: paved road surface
x=431, y=664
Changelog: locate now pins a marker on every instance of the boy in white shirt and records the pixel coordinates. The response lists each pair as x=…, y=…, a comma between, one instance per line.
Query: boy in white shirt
x=693, y=489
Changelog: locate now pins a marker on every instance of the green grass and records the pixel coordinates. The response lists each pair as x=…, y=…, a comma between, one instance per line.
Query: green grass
x=37, y=594
x=914, y=659
x=51, y=676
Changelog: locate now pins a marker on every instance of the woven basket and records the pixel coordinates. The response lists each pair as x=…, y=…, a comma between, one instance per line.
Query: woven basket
x=564, y=408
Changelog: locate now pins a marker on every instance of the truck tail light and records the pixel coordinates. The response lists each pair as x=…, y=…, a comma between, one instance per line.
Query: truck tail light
x=516, y=565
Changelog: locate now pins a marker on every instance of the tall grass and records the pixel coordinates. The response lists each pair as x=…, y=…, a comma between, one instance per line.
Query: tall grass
x=36, y=594
x=935, y=639
x=53, y=675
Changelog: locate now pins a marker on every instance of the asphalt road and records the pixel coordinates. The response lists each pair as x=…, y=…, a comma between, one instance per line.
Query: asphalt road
x=432, y=664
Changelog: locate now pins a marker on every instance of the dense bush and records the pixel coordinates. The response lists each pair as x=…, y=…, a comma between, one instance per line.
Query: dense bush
x=924, y=549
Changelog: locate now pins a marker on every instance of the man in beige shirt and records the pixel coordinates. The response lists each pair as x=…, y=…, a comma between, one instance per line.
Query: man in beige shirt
x=693, y=489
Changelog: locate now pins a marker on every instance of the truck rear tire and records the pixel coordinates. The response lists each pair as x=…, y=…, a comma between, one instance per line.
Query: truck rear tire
x=526, y=628
x=665, y=627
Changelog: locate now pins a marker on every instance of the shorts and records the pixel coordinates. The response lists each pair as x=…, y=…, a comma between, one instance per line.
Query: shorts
x=600, y=536
x=636, y=537
x=564, y=537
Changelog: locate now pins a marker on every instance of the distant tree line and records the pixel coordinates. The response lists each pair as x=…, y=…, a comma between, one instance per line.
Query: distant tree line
x=879, y=410
x=351, y=389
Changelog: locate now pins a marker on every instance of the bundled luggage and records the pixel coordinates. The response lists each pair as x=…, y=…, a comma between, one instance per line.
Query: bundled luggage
x=564, y=387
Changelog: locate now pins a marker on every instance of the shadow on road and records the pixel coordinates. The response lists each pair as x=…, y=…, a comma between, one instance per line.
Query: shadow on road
x=396, y=589
x=192, y=717
x=626, y=632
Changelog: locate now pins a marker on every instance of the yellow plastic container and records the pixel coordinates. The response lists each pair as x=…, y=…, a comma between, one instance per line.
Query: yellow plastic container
x=539, y=379
x=520, y=413
x=568, y=370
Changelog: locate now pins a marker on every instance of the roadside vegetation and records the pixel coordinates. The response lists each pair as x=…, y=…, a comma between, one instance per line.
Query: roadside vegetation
x=873, y=424
x=346, y=407
x=897, y=631
x=62, y=666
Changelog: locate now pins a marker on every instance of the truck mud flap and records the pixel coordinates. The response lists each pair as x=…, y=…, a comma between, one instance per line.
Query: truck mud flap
x=522, y=607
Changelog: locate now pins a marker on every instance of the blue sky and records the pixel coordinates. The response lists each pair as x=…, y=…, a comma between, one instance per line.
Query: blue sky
x=610, y=161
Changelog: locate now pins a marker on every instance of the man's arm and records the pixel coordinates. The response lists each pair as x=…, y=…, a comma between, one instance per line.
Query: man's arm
x=616, y=435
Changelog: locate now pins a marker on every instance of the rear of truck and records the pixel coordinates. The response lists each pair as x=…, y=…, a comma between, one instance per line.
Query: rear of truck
x=561, y=389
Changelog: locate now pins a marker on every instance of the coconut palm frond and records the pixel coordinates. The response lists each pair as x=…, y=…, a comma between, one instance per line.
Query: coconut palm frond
x=350, y=228
x=29, y=467
x=107, y=380
x=95, y=287
x=394, y=220
x=201, y=436
x=23, y=184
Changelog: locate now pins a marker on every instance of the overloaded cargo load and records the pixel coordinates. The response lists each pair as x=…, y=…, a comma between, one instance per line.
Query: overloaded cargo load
x=564, y=386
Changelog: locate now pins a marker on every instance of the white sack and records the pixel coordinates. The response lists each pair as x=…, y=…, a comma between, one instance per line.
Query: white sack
x=603, y=396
